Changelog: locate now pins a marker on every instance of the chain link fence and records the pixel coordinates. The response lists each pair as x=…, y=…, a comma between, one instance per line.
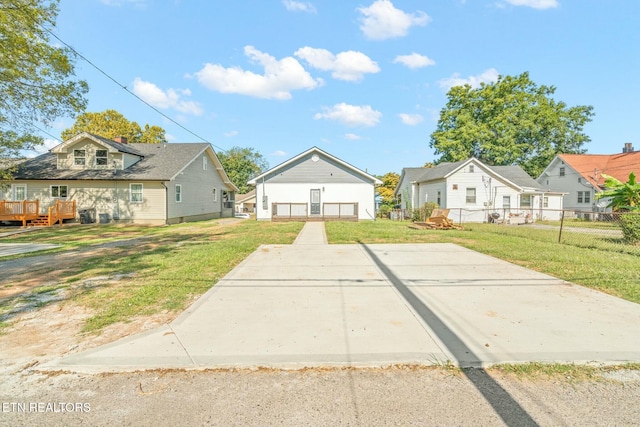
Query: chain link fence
x=614, y=232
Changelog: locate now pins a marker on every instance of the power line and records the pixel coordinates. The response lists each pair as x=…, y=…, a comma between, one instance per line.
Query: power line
x=120, y=85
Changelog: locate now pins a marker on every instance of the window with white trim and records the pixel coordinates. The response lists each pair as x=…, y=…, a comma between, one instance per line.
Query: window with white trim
x=471, y=195
x=215, y=195
x=19, y=192
x=102, y=158
x=178, y=193
x=506, y=202
x=59, y=191
x=79, y=157
x=525, y=201
x=562, y=171
x=135, y=193
x=205, y=163
x=545, y=202
x=439, y=198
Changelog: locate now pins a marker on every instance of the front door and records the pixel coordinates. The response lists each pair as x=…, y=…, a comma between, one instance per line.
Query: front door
x=315, y=202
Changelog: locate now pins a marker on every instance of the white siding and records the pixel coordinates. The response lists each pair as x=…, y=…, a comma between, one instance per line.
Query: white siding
x=362, y=193
x=570, y=183
x=197, y=192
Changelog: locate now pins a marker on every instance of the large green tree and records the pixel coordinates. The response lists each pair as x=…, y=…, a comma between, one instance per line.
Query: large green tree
x=37, y=80
x=111, y=124
x=242, y=164
x=510, y=122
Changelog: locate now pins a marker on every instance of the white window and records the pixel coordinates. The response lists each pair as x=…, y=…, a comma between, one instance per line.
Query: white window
x=59, y=191
x=101, y=158
x=19, y=192
x=205, y=163
x=471, y=169
x=471, y=195
x=135, y=193
x=79, y=157
x=215, y=195
x=562, y=171
x=506, y=202
x=584, y=197
x=525, y=201
x=178, y=193
x=546, y=202
x=439, y=198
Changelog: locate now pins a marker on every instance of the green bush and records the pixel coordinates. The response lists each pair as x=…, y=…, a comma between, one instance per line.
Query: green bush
x=422, y=213
x=384, y=211
x=630, y=224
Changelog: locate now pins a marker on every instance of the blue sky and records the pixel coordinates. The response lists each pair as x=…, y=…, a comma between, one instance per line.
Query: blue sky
x=362, y=80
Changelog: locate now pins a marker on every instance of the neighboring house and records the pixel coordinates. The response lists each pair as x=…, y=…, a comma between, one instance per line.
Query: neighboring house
x=472, y=191
x=246, y=202
x=580, y=176
x=117, y=181
x=315, y=185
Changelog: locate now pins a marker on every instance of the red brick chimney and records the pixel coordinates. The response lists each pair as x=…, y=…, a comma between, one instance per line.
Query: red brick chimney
x=120, y=139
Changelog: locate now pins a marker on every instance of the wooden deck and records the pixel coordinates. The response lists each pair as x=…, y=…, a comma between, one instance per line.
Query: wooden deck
x=28, y=212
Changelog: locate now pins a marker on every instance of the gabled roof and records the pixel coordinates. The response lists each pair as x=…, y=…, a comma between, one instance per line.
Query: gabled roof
x=158, y=162
x=320, y=152
x=592, y=166
x=113, y=146
x=241, y=198
x=513, y=175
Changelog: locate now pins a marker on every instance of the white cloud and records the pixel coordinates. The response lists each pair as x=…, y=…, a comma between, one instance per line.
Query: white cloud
x=352, y=136
x=279, y=153
x=536, y=4
x=349, y=65
x=279, y=79
x=298, y=6
x=489, y=76
x=415, y=60
x=230, y=134
x=170, y=98
x=410, y=119
x=383, y=21
x=351, y=115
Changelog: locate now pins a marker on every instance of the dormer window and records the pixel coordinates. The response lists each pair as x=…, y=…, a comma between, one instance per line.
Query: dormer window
x=102, y=158
x=79, y=157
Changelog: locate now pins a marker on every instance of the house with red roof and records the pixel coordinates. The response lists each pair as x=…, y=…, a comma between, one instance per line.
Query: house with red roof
x=581, y=177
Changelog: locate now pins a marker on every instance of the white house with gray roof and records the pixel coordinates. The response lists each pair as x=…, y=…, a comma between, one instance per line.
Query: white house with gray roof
x=314, y=185
x=117, y=181
x=472, y=191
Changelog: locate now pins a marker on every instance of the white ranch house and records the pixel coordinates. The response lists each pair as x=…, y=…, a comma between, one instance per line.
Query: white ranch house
x=315, y=185
x=472, y=191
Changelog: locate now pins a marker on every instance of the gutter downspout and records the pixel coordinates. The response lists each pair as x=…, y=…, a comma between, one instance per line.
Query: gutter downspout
x=166, y=203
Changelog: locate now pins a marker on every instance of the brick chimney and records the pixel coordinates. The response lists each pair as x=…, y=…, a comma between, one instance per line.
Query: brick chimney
x=628, y=148
x=120, y=139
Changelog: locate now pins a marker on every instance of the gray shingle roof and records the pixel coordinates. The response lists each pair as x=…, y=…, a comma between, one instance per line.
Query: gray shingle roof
x=160, y=162
x=515, y=174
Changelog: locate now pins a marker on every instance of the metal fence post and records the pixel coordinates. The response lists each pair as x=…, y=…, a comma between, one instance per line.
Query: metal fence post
x=561, y=224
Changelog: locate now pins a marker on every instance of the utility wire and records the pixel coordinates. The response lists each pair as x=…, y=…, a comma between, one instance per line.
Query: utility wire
x=120, y=85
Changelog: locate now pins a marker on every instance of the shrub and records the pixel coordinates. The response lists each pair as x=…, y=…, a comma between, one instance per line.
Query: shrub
x=630, y=224
x=423, y=212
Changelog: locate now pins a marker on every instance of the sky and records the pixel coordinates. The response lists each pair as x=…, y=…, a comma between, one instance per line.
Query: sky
x=362, y=80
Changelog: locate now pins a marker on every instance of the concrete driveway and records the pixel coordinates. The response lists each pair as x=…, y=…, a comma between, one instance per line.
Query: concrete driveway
x=314, y=304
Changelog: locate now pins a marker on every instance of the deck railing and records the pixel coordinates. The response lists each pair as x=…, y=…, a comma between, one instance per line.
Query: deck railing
x=347, y=211
x=24, y=210
x=27, y=210
x=62, y=210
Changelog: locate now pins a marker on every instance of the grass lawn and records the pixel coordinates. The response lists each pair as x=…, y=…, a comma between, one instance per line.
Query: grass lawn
x=164, y=270
x=167, y=267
